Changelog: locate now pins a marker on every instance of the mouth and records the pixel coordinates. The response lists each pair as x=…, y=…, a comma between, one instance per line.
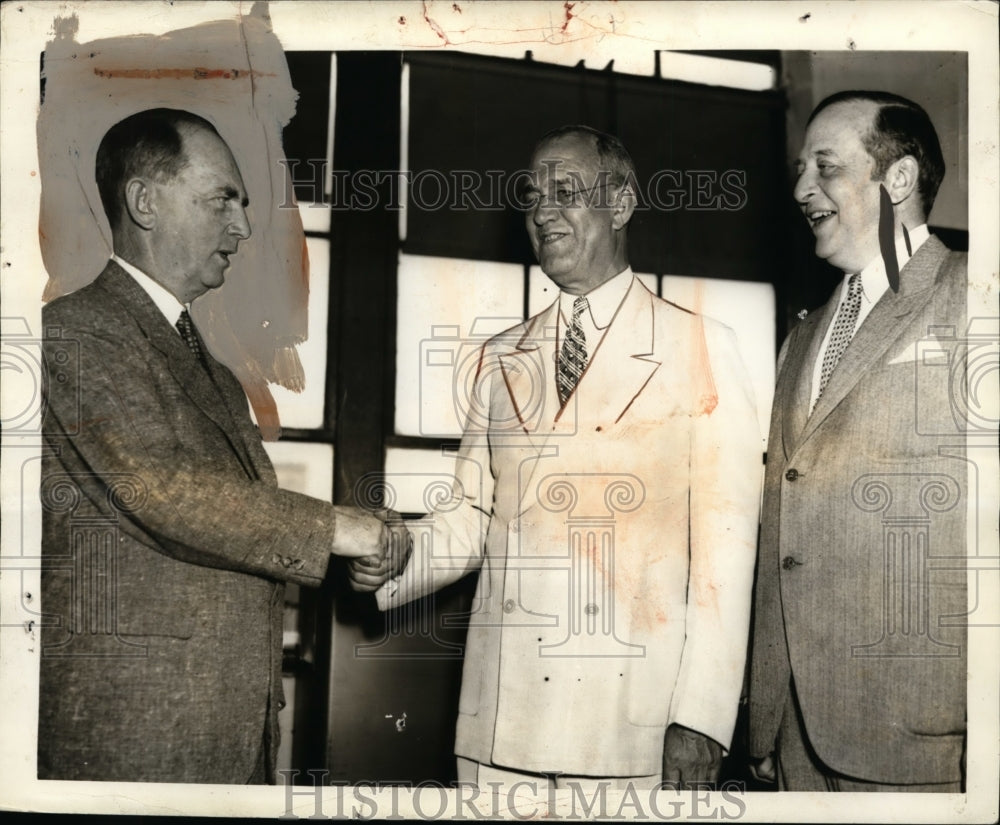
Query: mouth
x=818, y=216
x=224, y=254
x=548, y=238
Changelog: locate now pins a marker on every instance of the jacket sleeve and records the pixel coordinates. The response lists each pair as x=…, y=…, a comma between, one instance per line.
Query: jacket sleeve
x=120, y=426
x=724, y=489
x=450, y=542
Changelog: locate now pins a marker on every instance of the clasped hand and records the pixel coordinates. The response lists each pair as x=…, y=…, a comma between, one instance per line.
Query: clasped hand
x=369, y=573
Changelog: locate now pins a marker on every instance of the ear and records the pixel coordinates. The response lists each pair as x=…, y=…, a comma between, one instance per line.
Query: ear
x=139, y=203
x=624, y=206
x=901, y=179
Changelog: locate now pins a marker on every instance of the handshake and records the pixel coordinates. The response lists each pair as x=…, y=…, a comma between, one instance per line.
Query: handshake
x=378, y=545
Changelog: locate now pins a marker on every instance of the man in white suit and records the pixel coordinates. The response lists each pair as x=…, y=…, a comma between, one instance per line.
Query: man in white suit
x=858, y=677
x=607, y=489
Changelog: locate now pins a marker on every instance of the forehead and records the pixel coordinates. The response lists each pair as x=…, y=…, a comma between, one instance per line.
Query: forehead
x=840, y=128
x=571, y=153
x=208, y=155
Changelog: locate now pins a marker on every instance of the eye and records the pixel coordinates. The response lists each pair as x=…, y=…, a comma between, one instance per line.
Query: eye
x=564, y=196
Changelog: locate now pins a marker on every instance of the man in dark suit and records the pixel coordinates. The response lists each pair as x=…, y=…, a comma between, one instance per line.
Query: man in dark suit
x=166, y=540
x=859, y=648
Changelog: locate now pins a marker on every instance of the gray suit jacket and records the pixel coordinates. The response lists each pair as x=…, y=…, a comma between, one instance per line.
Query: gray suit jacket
x=860, y=586
x=166, y=542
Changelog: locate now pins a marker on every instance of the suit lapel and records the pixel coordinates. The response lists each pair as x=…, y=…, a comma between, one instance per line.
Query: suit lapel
x=881, y=329
x=795, y=388
x=190, y=375
x=620, y=366
x=529, y=375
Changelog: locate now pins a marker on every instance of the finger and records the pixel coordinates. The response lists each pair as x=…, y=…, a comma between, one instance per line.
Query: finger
x=368, y=561
x=362, y=580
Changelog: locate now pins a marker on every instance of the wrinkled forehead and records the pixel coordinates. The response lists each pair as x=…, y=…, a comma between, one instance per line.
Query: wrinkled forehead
x=565, y=158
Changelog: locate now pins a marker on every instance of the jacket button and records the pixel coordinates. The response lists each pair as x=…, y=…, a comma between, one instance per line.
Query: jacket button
x=508, y=606
x=591, y=609
x=792, y=474
x=788, y=562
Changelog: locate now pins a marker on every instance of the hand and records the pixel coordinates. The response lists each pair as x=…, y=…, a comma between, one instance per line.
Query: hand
x=764, y=770
x=369, y=573
x=356, y=533
x=690, y=757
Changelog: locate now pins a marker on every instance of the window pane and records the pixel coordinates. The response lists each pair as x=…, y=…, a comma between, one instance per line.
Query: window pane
x=417, y=478
x=305, y=409
x=315, y=216
x=717, y=71
x=447, y=308
x=303, y=467
x=748, y=308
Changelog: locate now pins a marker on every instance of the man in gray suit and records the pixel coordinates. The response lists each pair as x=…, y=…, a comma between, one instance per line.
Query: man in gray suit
x=166, y=540
x=859, y=648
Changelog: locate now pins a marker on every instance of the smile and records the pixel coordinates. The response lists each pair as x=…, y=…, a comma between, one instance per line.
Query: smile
x=820, y=215
x=550, y=237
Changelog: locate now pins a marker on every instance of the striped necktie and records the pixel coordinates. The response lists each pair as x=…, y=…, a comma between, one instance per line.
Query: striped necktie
x=573, y=358
x=843, y=331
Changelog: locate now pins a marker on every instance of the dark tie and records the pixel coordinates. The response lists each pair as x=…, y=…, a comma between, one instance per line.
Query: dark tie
x=843, y=331
x=573, y=359
x=185, y=326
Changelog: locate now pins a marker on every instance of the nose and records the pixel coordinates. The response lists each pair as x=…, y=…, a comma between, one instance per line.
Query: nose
x=544, y=211
x=240, y=226
x=805, y=186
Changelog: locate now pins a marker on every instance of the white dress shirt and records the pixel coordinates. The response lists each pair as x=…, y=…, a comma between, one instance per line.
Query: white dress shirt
x=874, y=283
x=160, y=295
x=603, y=304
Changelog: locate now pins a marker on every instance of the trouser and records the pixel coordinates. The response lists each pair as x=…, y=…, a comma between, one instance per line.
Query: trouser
x=477, y=773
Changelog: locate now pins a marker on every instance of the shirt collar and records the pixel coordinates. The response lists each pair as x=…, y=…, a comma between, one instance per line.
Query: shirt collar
x=160, y=295
x=874, y=281
x=603, y=301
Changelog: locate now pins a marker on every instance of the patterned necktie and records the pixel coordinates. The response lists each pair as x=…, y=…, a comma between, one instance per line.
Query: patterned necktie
x=843, y=331
x=573, y=359
x=185, y=326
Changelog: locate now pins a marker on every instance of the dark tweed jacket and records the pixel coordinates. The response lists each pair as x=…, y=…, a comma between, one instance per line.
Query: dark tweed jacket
x=166, y=545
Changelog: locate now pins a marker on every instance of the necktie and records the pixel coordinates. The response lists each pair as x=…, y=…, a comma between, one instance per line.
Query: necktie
x=843, y=331
x=573, y=358
x=185, y=326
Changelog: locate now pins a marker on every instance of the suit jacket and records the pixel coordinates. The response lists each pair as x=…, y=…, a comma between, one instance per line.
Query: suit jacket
x=166, y=542
x=616, y=541
x=861, y=585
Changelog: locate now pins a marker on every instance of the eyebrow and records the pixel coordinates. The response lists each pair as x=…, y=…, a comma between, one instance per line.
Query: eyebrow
x=233, y=193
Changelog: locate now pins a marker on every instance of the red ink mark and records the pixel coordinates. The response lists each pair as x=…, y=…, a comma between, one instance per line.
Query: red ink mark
x=196, y=73
x=33, y=173
x=569, y=15
x=434, y=26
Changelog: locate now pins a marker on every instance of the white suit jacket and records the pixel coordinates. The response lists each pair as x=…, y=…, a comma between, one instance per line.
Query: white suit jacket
x=616, y=541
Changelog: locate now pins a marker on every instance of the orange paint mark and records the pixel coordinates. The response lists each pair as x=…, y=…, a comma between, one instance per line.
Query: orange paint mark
x=33, y=173
x=707, y=396
x=196, y=73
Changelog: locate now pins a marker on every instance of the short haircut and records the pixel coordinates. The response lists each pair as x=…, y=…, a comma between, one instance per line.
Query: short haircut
x=900, y=127
x=146, y=144
x=611, y=151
